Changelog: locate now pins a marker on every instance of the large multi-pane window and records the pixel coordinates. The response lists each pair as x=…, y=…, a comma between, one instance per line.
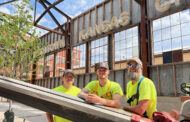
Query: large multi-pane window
x=79, y=56
x=99, y=50
x=60, y=63
x=49, y=66
x=172, y=32
x=40, y=65
x=126, y=44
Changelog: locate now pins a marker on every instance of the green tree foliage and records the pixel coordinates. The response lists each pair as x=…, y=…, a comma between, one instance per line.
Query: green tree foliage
x=18, y=53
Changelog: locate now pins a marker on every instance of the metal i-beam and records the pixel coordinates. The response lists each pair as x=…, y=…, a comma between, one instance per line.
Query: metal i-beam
x=8, y=2
x=42, y=27
x=68, y=17
x=144, y=31
x=60, y=104
x=54, y=19
x=55, y=3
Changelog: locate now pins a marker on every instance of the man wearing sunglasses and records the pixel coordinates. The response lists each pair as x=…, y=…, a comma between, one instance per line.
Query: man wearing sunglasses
x=67, y=88
x=141, y=92
x=102, y=90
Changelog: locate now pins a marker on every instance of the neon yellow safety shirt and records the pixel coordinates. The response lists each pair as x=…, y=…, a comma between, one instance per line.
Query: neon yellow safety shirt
x=146, y=91
x=74, y=91
x=107, y=91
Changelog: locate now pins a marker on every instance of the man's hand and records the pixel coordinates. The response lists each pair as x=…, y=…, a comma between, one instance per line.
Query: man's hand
x=92, y=98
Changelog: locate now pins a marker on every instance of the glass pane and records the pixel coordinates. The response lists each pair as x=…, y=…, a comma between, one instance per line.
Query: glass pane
x=157, y=35
x=156, y=24
x=135, y=41
x=165, y=21
x=123, y=54
x=101, y=58
x=186, y=41
x=105, y=56
x=97, y=51
x=101, y=50
x=185, y=28
x=122, y=44
x=117, y=37
x=175, y=19
x=129, y=42
x=135, y=51
x=176, y=31
x=129, y=52
x=92, y=52
x=105, y=40
x=176, y=43
x=97, y=59
x=117, y=55
x=157, y=47
x=166, y=45
x=129, y=33
x=92, y=60
x=185, y=16
x=92, y=44
x=135, y=31
x=122, y=35
x=105, y=50
x=101, y=41
x=116, y=46
x=97, y=43
x=166, y=34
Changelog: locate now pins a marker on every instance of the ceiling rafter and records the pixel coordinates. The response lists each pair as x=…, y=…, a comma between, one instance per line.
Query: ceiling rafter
x=8, y=2
x=54, y=19
x=47, y=10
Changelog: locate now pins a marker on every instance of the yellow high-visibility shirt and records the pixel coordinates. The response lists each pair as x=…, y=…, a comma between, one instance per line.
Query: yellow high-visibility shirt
x=147, y=91
x=74, y=91
x=114, y=88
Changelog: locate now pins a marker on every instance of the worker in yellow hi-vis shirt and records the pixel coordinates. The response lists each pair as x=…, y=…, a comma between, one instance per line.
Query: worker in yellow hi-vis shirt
x=141, y=92
x=67, y=88
x=102, y=90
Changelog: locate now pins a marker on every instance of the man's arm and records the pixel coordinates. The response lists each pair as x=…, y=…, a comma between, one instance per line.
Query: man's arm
x=83, y=93
x=112, y=103
x=49, y=117
x=138, y=109
x=92, y=98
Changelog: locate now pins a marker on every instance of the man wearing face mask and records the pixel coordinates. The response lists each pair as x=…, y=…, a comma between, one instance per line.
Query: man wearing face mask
x=141, y=92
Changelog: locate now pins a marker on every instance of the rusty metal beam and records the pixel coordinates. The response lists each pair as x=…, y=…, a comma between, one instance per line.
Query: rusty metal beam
x=8, y=2
x=54, y=19
x=48, y=8
x=48, y=29
x=143, y=38
x=68, y=17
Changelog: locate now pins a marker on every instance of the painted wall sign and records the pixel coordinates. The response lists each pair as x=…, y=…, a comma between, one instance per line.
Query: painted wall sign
x=162, y=6
x=105, y=26
x=57, y=45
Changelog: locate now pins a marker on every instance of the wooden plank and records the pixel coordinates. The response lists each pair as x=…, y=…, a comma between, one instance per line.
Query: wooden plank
x=60, y=104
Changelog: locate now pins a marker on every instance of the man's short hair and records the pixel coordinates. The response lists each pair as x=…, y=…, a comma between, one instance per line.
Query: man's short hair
x=66, y=71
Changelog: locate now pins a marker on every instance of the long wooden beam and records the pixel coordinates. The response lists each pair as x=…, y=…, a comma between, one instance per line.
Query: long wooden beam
x=60, y=104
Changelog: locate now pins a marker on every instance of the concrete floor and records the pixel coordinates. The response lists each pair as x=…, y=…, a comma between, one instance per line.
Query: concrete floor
x=22, y=112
